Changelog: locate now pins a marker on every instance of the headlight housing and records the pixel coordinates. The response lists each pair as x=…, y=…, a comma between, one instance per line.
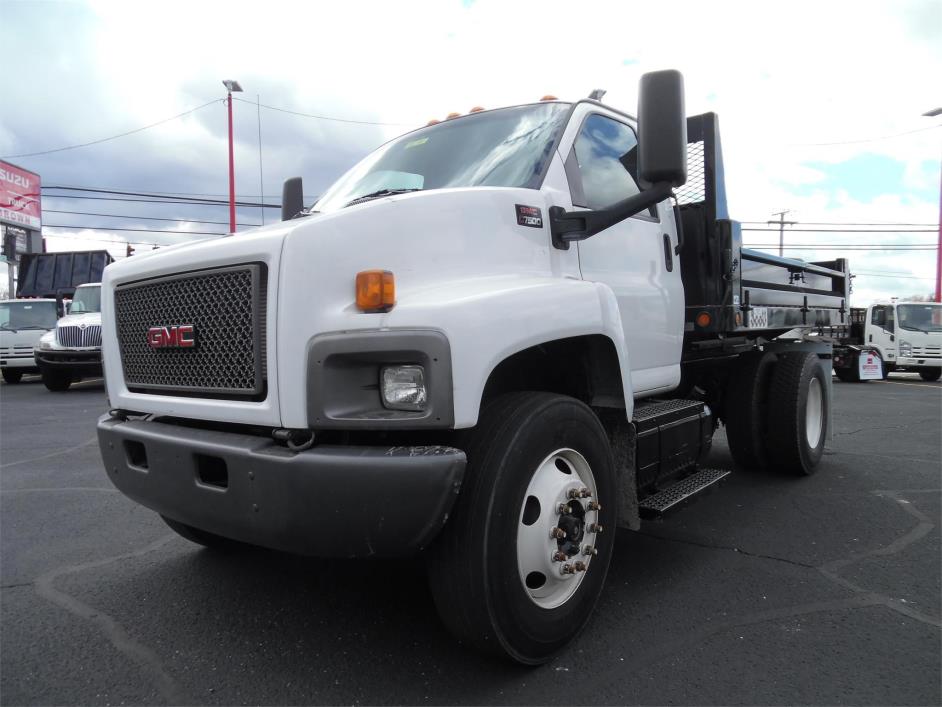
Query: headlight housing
x=48, y=340
x=905, y=348
x=403, y=388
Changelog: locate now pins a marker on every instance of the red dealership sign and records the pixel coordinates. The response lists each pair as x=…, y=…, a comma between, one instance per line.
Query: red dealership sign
x=19, y=197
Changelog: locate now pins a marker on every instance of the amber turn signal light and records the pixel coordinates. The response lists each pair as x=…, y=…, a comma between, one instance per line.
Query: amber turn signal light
x=704, y=319
x=376, y=290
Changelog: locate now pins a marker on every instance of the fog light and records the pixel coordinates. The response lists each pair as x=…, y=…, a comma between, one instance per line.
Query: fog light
x=404, y=388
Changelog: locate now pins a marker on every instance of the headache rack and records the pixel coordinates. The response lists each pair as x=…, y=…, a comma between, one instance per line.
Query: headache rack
x=734, y=293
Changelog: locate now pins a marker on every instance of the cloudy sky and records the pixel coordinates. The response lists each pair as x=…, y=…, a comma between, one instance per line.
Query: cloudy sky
x=820, y=103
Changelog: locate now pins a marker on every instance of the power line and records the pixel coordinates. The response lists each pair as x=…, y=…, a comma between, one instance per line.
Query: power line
x=836, y=246
x=847, y=230
x=207, y=202
x=108, y=190
x=136, y=193
x=852, y=223
x=142, y=218
x=320, y=117
x=115, y=137
x=137, y=230
x=895, y=277
x=857, y=142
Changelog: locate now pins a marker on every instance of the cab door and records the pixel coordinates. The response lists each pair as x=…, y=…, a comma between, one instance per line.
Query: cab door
x=636, y=257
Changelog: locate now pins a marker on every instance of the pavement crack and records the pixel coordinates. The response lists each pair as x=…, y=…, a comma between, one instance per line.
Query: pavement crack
x=729, y=548
x=869, y=429
x=16, y=585
x=50, y=455
x=139, y=654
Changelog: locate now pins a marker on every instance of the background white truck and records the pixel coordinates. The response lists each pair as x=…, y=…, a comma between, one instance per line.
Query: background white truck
x=72, y=351
x=22, y=322
x=493, y=340
x=907, y=337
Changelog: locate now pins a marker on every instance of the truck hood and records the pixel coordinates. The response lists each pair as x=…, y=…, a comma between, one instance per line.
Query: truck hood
x=83, y=318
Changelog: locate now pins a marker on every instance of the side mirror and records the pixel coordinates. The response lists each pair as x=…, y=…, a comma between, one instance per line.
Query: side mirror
x=292, y=198
x=662, y=161
x=662, y=129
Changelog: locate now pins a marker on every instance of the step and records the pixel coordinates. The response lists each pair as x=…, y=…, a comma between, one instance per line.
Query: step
x=679, y=493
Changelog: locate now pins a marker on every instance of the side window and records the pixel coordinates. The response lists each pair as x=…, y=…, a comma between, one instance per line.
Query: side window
x=878, y=316
x=606, y=152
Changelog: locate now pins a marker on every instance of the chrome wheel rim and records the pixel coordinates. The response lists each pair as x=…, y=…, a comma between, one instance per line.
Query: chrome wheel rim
x=814, y=413
x=557, y=528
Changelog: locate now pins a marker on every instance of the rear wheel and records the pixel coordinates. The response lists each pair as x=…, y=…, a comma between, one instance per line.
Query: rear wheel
x=930, y=374
x=746, y=407
x=56, y=380
x=798, y=405
x=11, y=376
x=520, y=565
x=847, y=375
x=201, y=537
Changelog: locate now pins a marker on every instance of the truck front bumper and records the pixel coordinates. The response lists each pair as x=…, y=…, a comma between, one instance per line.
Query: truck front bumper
x=327, y=501
x=918, y=362
x=83, y=363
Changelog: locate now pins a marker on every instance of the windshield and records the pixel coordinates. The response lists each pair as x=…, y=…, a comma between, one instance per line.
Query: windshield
x=27, y=315
x=920, y=317
x=509, y=147
x=87, y=299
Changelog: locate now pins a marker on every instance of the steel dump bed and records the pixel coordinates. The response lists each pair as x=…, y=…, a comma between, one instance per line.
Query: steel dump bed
x=734, y=292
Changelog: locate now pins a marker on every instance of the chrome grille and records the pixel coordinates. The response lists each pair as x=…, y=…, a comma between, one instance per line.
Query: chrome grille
x=77, y=337
x=927, y=352
x=223, y=307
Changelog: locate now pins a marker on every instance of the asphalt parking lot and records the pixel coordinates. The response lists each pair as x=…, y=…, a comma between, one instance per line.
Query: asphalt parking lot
x=772, y=590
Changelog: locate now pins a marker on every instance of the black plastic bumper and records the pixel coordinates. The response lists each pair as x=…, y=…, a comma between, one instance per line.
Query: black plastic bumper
x=85, y=363
x=328, y=501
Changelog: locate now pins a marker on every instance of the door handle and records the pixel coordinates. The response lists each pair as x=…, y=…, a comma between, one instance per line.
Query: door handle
x=871, y=338
x=668, y=254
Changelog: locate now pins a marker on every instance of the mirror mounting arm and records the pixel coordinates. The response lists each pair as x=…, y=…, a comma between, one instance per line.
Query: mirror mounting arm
x=567, y=226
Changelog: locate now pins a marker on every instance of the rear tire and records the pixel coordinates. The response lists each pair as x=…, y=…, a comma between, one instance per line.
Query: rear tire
x=201, y=537
x=930, y=374
x=746, y=408
x=493, y=584
x=798, y=422
x=847, y=375
x=56, y=380
x=12, y=377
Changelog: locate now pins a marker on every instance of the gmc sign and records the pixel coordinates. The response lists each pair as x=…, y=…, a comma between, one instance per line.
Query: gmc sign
x=176, y=336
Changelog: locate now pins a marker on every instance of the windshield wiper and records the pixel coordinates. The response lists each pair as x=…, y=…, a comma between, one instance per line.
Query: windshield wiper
x=377, y=194
x=9, y=328
x=36, y=326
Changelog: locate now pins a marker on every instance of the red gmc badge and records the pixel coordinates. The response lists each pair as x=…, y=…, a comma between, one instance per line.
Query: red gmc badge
x=175, y=336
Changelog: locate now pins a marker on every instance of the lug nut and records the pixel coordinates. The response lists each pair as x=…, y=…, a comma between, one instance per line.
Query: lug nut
x=594, y=506
x=595, y=528
x=560, y=556
x=585, y=493
x=572, y=493
x=558, y=533
x=567, y=569
x=589, y=550
x=580, y=566
x=563, y=509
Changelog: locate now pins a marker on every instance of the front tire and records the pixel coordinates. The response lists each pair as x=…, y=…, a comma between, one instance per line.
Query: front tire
x=56, y=380
x=798, y=414
x=494, y=577
x=12, y=377
x=930, y=374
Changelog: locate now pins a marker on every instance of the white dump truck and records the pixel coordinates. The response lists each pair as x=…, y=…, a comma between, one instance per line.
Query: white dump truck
x=22, y=322
x=492, y=341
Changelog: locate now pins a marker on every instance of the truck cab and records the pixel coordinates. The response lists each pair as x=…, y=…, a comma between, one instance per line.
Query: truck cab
x=491, y=341
x=22, y=323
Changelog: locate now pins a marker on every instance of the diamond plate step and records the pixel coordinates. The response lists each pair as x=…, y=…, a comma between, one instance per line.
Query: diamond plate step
x=660, y=503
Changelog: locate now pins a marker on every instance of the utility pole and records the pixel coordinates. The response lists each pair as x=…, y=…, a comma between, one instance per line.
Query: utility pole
x=781, y=223
x=230, y=87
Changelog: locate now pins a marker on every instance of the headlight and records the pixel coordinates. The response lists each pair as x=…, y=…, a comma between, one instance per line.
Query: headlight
x=403, y=388
x=48, y=340
x=905, y=348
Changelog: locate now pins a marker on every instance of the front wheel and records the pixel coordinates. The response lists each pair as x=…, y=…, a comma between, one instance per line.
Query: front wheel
x=930, y=374
x=11, y=376
x=56, y=380
x=520, y=565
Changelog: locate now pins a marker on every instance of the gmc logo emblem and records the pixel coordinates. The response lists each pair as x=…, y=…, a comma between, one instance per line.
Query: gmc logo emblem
x=177, y=336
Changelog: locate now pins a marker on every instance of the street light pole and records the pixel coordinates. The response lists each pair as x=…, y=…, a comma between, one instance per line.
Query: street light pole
x=938, y=251
x=230, y=87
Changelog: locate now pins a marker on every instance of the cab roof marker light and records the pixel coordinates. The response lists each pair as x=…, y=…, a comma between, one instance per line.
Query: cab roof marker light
x=549, y=97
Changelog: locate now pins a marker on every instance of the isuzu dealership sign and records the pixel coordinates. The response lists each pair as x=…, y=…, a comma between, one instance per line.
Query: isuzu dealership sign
x=19, y=197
